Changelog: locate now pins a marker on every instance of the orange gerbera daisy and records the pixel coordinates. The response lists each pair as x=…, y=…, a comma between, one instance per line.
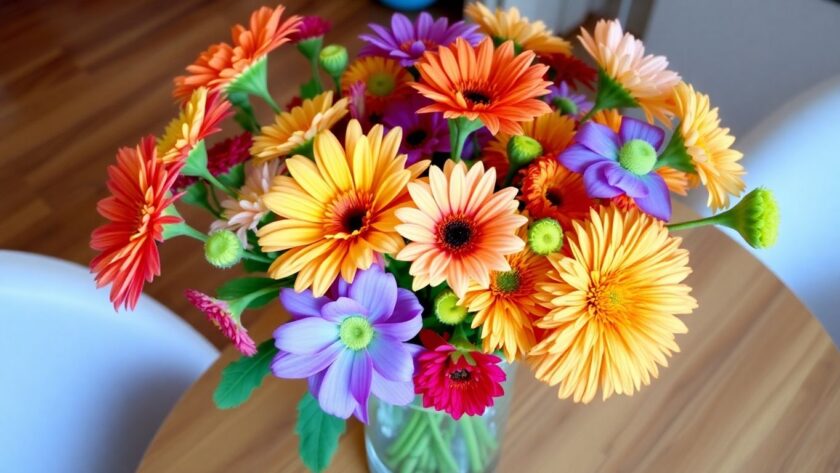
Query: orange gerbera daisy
x=612, y=300
x=128, y=255
x=293, y=131
x=551, y=190
x=678, y=182
x=506, y=310
x=622, y=59
x=460, y=229
x=336, y=211
x=554, y=132
x=222, y=63
x=479, y=83
x=709, y=145
x=383, y=79
x=199, y=118
x=504, y=25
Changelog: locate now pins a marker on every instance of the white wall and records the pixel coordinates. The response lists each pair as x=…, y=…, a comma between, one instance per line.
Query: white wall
x=750, y=56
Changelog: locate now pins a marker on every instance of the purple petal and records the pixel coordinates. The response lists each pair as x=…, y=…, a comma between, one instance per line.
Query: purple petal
x=391, y=359
x=334, y=396
x=291, y=366
x=360, y=380
x=658, y=200
x=377, y=291
x=632, y=129
x=599, y=138
x=402, y=28
x=631, y=184
x=305, y=336
x=424, y=25
x=315, y=381
x=398, y=393
x=342, y=308
x=406, y=321
x=302, y=304
x=596, y=182
x=417, y=48
x=578, y=157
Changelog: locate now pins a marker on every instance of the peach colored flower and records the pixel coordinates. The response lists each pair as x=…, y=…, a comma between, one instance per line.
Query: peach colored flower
x=245, y=212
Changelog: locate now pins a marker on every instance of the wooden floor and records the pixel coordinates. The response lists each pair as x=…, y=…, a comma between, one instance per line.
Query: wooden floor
x=78, y=79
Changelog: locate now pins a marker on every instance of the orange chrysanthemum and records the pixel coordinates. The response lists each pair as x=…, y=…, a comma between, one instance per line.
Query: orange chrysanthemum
x=383, y=79
x=337, y=211
x=613, y=300
x=504, y=25
x=551, y=190
x=709, y=145
x=554, y=132
x=506, y=310
x=199, y=118
x=622, y=57
x=678, y=182
x=294, y=130
x=222, y=63
x=460, y=230
x=140, y=193
x=497, y=86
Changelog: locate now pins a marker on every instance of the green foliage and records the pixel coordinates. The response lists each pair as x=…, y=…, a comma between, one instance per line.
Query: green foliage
x=241, y=287
x=319, y=433
x=235, y=178
x=675, y=155
x=310, y=89
x=241, y=377
x=196, y=194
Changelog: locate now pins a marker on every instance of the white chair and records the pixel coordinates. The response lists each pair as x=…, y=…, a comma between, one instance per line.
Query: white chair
x=83, y=389
x=795, y=151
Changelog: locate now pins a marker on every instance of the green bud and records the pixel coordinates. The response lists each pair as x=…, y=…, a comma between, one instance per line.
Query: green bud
x=545, y=236
x=566, y=106
x=447, y=309
x=334, y=59
x=756, y=218
x=223, y=249
x=522, y=149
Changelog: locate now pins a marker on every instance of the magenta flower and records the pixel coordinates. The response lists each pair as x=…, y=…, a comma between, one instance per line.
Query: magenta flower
x=225, y=319
x=621, y=164
x=350, y=343
x=407, y=41
x=423, y=133
x=310, y=27
x=562, y=98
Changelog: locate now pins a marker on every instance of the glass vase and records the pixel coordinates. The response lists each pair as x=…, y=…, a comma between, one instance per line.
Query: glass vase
x=413, y=439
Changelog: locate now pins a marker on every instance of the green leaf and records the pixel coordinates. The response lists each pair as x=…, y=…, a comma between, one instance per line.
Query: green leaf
x=241, y=377
x=255, y=266
x=675, y=155
x=319, y=433
x=244, y=112
x=196, y=194
x=240, y=287
x=235, y=178
x=310, y=89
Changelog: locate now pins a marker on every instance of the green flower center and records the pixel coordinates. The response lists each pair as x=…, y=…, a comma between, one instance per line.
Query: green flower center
x=355, y=332
x=380, y=84
x=447, y=309
x=566, y=106
x=637, y=156
x=545, y=236
x=223, y=249
x=507, y=281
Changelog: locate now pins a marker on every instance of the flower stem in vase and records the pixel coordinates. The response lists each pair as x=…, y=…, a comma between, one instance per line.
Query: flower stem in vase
x=472, y=444
x=442, y=447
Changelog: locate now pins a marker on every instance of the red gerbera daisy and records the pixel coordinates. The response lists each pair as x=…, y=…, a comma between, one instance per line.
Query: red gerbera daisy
x=127, y=245
x=456, y=382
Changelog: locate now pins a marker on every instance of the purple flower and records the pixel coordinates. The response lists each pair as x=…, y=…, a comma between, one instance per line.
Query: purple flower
x=562, y=98
x=615, y=164
x=423, y=133
x=406, y=42
x=350, y=343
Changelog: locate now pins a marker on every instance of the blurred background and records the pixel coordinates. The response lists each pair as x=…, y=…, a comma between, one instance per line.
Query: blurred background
x=81, y=78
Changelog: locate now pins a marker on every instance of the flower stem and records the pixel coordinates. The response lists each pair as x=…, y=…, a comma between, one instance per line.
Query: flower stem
x=443, y=449
x=714, y=219
x=255, y=257
x=316, y=73
x=218, y=184
x=472, y=444
x=459, y=130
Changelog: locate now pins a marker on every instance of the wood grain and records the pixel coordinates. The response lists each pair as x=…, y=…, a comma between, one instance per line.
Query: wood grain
x=756, y=388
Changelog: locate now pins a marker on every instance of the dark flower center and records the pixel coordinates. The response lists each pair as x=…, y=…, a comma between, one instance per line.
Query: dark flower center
x=460, y=375
x=554, y=196
x=354, y=220
x=416, y=137
x=475, y=96
x=457, y=234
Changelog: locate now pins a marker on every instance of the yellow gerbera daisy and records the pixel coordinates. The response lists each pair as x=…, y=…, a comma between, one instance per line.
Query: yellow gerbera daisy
x=383, y=79
x=709, y=146
x=612, y=300
x=509, y=24
x=199, y=117
x=506, y=310
x=336, y=211
x=622, y=58
x=293, y=131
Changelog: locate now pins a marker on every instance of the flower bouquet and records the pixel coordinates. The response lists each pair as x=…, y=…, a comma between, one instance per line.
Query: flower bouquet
x=459, y=197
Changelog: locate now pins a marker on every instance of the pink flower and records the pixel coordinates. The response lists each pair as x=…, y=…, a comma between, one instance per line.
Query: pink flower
x=310, y=27
x=454, y=381
x=226, y=320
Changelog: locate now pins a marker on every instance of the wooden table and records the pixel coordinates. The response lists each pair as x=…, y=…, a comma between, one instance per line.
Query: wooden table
x=756, y=388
